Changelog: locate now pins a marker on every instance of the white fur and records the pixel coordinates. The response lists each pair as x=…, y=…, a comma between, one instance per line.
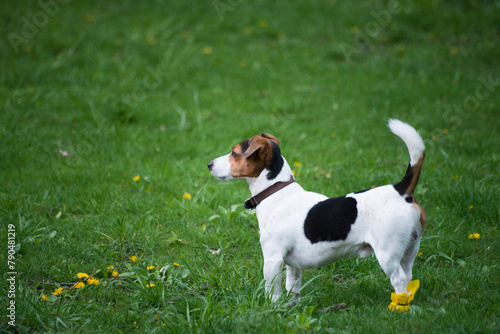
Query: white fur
x=384, y=225
x=411, y=138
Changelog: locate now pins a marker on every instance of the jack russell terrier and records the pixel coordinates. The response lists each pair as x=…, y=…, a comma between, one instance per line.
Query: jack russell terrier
x=308, y=230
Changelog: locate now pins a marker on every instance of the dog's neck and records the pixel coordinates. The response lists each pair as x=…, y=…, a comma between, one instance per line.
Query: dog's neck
x=260, y=183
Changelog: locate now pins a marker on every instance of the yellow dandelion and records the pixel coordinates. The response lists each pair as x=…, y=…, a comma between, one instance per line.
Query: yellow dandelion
x=133, y=258
x=137, y=178
x=150, y=267
x=420, y=254
x=110, y=268
x=114, y=273
x=471, y=207
x=297, y=164
x=150, y=285
x=455, y=177
x=355, y=30
x=474, y=236
x=93, y=281
x=446, y=131
x=334, y=134
x=176, y=264
x=186, y=196
x=207, y=50
x=44, y=297
x=79, y=285
x=294, y=173
x=263, y=23
x=82, y=275
x=58, y=291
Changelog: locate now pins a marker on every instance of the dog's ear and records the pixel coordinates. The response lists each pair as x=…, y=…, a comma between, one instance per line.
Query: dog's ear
x=271, y=138
x=258, y=146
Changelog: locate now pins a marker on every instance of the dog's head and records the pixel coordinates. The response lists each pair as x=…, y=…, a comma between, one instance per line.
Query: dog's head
x=249, y=159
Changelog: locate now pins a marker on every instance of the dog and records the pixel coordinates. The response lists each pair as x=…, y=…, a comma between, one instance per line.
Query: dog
x=308, y=230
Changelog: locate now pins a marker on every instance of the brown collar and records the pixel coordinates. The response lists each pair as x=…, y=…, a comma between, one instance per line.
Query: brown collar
x=252, y=202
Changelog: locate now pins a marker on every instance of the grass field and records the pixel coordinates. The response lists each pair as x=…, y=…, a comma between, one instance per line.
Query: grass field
x=111, y=110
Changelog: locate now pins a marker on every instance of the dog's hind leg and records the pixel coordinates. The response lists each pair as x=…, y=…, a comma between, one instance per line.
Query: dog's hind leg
x=392, y=264
x=409, y=258
x=293, y=282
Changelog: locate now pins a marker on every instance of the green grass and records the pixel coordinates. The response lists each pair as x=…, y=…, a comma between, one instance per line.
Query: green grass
x=127, y=89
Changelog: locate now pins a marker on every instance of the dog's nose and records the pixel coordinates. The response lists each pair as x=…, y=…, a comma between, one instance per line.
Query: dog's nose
x=210, y=165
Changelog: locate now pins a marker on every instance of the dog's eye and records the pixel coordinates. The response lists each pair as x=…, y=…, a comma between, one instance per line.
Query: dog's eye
x=233, y=154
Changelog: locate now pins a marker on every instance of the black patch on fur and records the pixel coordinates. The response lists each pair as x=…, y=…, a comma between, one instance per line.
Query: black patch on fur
x=403, y=185
x=331, y=219
x=244, y=145
x=409, y=199
x=276, y=163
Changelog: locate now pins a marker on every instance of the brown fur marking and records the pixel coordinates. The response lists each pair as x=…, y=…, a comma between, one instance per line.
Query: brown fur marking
x=253, y=161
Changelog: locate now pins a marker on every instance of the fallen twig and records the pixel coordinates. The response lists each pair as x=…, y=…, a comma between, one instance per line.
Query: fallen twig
x=334, y=308
x=203, y=288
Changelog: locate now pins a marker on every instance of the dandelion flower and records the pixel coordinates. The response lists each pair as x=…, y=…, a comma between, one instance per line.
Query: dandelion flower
x=137, y=178
x=150, y=267
x=44, y=297
x=110, y=268
x=186, y=196
x=176, y=264
x=420, y=254
x=474, y=236
x=58, y=291
x=263, y=23
x=114, y=273
x=446, y=131
x=297, y=164
x=294, y=173
x=92, y=281
x=133, y=258
x=207, y=50
x=82, y=275
x=150, y=285
x=471, y=207
x=355, y=30
x=79, y=285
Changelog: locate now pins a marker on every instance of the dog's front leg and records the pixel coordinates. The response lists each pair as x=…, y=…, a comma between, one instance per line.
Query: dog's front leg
x=293, y=282
x=272, y=275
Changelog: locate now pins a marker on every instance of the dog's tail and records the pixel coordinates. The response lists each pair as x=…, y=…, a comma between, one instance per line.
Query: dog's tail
x=416, y=149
